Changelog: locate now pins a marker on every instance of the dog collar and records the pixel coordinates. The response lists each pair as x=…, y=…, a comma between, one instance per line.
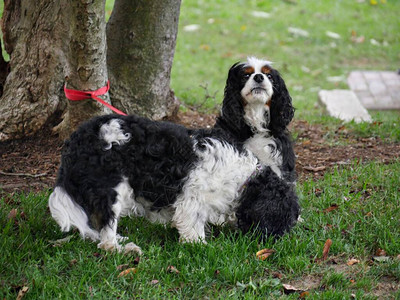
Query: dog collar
x=256, y=172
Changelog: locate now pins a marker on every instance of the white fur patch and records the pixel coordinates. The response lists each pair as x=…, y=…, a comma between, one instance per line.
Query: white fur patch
x=69, y=214
x=111, y=133
x=138, y=206
x=257, y=93
x=254, y=115
x=265, y=149
x=211, y=189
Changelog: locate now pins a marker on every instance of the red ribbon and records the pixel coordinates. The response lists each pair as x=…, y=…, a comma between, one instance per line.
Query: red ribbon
x=75, y=95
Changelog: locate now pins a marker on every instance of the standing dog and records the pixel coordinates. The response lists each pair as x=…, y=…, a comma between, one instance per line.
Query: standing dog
x=241, y=170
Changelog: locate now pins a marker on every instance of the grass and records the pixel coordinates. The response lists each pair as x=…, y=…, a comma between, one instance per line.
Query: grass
x=365, y=219
x=363, y=197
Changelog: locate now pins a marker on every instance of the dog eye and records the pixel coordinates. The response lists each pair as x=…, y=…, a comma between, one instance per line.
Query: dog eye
x=246, y=75
x=270, y=77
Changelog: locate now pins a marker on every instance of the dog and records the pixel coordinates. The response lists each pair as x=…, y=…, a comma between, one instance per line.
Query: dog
x=241, y=171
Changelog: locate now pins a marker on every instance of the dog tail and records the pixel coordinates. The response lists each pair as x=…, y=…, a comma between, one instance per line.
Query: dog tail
x=69, y=214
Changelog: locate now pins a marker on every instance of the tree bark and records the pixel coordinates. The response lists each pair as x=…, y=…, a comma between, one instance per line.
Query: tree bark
x=87, y=63
x=35, y=35
x=141, y=44
x=3, y=71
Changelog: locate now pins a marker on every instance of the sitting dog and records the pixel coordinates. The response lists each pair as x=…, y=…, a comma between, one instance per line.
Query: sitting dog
x=241, y=171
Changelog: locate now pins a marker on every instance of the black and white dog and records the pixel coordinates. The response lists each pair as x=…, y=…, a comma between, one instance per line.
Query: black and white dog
x=241, y=171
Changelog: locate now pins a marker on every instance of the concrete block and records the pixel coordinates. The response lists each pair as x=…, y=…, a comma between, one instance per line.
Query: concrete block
x=344, y=105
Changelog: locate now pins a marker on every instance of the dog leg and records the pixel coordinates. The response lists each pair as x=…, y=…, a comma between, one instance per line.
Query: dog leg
x=109, y=239
x=190, y=222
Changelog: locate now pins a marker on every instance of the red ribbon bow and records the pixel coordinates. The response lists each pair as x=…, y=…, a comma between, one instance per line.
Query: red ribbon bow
x=75, y=95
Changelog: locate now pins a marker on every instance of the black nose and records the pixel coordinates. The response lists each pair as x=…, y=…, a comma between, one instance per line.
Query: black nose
x=258, y=78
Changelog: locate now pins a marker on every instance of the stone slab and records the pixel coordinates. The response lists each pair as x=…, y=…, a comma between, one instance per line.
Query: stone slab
x=344, y=105
x=376, y=90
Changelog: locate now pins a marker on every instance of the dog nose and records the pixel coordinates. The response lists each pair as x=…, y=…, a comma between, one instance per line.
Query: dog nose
x=258, y=78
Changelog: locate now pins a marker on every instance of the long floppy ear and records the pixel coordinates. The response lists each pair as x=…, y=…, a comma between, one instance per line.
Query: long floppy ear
x=232, y=112
x=281, y=109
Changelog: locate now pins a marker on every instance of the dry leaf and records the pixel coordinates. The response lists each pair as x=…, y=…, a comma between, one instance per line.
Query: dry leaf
x=136, y=261
x=314, y=169
x=289, y=289
x=127, y=271
x=331, y=208
x=154, y=282
x=12, y=214
x=277, y=275
x=381, y=258
x=172, y=269
x=22, y=292
x=305, y=294
x=352, y=261
x=122, y=267
x=380, y=252
x=325, y=251
x=264, y=253
x=398, y=256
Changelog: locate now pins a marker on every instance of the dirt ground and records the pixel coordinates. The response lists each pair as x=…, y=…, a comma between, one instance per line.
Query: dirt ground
x=31, y=164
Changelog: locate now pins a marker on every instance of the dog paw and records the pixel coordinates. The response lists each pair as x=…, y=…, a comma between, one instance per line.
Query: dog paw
x=131, y=247
x=109, y=246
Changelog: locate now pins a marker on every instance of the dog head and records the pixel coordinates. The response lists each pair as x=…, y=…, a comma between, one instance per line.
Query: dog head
x=256, y=97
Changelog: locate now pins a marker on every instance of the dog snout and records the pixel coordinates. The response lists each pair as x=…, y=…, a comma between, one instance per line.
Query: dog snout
x=258, y=78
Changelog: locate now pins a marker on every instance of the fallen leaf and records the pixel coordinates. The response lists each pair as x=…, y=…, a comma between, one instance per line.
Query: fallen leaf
x=398, y=256
x=127, y=271
x=260, y=14
x=217, y=272
x=60, y=242
x=331, y=208
x=304, y=295
x=277, y=275
x=333, y=35
x=191, y=27
x=12, y=214
x=122, y=267
x=264, y=253
x=298, y=32
x=73, y=262
x=381, y=258
x=205, y=47
x=380, y=252
x=314, y=169
x=22, y=292
x=352, y=261
x=154, y=282
x=290, y=289
x=172, y=269
x=136, y=261
x=325, y=250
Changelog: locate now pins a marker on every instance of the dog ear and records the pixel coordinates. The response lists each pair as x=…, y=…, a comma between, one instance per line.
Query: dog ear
x=281, y=109
x=232, y=111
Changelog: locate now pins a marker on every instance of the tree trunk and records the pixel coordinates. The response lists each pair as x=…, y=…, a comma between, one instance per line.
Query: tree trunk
x=3, y=71
x=35, y=35
x=141, y=44
x=51, y=42
x=87, y=63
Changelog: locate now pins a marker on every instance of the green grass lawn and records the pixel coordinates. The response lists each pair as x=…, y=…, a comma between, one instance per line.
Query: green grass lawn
x=366, y=218
x=356, y=206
